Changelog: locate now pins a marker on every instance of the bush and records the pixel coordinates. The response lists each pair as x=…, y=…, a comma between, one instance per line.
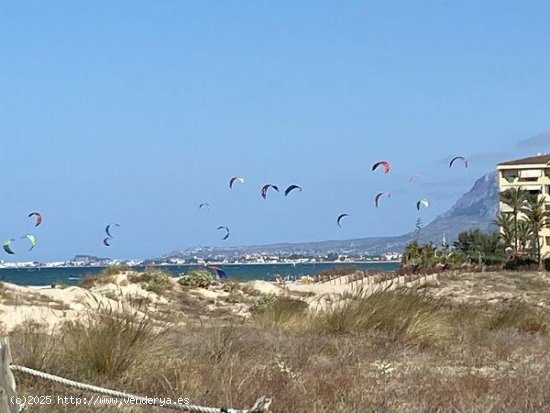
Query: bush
x=522, y=264
x=154, y=280
x=115, y=270
x=495, y=260
x=197, y=278
x=234, y=297
x=230, y=286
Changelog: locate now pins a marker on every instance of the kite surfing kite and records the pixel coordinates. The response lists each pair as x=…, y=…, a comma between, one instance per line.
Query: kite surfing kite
x=106, y=242
x=378, y=196
x=265, y=189
x=385, y=164
x=205, y=205
x=219, y=271
x=235, y=178
x=422, y=202
x=415, y=177
x=462, y=158
x=6, y=246
x=108, y=229
x=340, y=218
x=32, y=240
x=226, y=231
x=292, y=188
x=37, y=216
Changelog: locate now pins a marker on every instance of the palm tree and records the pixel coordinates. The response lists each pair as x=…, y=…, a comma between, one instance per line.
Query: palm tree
x=537, y=216
x=515, y=198
x=506, y=224
x=525, y=233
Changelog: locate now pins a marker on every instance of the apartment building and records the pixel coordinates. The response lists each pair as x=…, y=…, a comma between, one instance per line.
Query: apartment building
x=531, y=174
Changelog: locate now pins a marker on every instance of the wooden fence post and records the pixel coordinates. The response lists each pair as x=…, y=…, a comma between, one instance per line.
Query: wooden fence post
x=7, y=381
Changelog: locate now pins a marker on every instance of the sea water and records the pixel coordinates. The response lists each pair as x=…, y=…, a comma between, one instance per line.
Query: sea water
x=245, y=272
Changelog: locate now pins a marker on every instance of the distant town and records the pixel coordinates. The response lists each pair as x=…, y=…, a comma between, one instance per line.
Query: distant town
x=255, y=258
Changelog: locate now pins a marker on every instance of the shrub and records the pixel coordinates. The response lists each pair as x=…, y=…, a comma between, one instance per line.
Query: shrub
x=91, y=280
x=235, y=296
x=230, y=286
x=115, y=270
x=522, y=264
x=153, y=279
x=197, y=278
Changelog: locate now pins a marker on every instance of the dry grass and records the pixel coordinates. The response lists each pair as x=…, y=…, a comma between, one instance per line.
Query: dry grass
x=394, y=351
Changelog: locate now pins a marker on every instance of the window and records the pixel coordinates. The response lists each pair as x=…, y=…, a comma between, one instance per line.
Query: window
x=530, y=173
x=532, y=189
x=510, y=175
x=547, y=240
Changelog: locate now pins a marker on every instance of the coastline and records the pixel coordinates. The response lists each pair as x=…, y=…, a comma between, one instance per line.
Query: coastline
x=205, y=264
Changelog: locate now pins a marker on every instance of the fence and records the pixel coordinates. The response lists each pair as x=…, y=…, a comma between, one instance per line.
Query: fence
x=8, y=394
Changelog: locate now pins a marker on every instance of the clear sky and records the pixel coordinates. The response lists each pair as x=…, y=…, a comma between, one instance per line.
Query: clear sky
x=137, y=111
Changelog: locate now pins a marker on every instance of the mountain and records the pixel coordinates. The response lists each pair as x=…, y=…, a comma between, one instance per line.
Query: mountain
x=475, y=209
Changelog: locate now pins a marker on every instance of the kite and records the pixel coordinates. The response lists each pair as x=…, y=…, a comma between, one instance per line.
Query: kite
x=235, y=178
x=292, y=188
x=37, y=216
x=226, y=232
x=6, y=246
x=340, y=218
x=106, y=242
x=385, y=164
x=108, y=229
x=462, y=158
x=423, y=202
x=32, y=240
x=377, y=197
x=265, y=189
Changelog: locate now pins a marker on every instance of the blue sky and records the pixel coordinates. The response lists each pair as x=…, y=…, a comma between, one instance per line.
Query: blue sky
x=136, y=112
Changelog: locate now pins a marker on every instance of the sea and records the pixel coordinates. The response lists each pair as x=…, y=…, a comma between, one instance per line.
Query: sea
x=242, y=272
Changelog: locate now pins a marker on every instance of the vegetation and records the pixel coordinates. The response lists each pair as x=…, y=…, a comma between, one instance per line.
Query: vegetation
x=402, y=316
x=274, y=311
x=197, y=278
x=481, y=248
x=446, y=347
x=505, y=222
x=515, y=198
x=523, y=225
x=235, y=296
x=105, y=276
x=337, y=272
x=153, y=279
x=536, y=216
